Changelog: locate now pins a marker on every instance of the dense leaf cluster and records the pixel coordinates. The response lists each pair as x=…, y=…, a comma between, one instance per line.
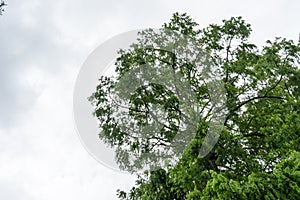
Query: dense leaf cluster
x=257, y=155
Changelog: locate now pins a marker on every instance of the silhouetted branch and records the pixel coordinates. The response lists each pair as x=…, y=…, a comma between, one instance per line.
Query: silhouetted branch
x=2, y=4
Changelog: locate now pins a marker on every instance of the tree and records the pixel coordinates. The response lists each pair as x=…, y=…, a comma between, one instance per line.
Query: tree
x=257, y=154
x=2, y=4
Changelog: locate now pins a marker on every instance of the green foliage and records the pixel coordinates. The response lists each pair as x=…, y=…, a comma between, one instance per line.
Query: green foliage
x=257, y=155
x=282, y=183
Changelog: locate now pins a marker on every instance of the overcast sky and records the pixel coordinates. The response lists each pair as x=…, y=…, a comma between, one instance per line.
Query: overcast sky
x=43, y=44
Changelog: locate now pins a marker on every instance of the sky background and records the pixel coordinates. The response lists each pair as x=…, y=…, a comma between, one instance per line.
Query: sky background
x=43, y=44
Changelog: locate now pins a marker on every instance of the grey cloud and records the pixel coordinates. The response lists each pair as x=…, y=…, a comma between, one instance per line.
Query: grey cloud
x=22, y=47
x=38, y=43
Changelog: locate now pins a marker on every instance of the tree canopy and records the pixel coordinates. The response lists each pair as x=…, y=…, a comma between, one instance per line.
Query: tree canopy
x=257, y=153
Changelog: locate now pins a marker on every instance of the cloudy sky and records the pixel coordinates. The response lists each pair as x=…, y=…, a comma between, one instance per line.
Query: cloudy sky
x=44, y=43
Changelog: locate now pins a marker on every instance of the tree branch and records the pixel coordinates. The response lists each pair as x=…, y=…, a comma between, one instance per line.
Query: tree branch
x=249, y=100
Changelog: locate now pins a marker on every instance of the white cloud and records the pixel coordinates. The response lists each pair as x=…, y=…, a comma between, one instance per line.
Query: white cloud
x=43, y=155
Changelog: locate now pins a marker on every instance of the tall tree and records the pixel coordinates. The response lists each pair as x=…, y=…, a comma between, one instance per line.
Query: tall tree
x=257, y=154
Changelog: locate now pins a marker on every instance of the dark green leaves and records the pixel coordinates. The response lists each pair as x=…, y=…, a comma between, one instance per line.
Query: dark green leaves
x=257, y=155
